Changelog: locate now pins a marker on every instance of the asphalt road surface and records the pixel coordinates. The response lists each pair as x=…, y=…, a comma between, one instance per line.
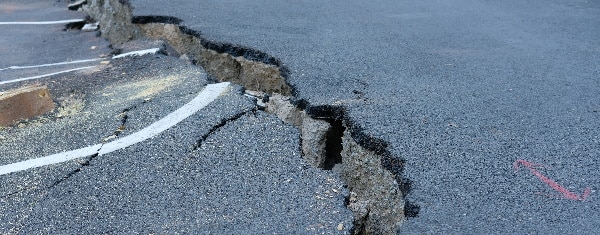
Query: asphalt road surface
x=492, y=106
x=37, y=42
x=460, y=90
x=145, y=143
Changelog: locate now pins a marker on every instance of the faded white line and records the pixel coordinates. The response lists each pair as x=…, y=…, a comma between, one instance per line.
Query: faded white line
x=42, y=22
x=44, y=75
x=52, y=64
x=137, y=53
x=205, y=97
x=133, y=53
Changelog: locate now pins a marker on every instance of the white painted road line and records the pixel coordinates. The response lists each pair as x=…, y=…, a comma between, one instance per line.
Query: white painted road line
x=133, y=53
x=49, y=160
x=205, y=97
x=208, y=95
x=42, y=22
x=44, y=75
x=138, y=53
x=52, y=64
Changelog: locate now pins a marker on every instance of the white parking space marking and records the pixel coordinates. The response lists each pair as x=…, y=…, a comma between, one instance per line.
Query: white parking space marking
x=52, y=64
x=133, y=53
x=205, y=97
x=44, y=75
x=42, y=22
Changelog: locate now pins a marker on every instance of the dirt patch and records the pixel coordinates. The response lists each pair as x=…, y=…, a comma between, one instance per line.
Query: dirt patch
x=148, y=88
x=69, y=106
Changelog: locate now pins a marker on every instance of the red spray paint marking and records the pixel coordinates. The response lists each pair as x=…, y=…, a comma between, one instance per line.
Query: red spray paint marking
x=566, y=193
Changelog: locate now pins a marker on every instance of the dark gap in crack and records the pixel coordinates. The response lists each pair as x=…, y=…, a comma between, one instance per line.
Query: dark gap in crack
x=234, y=50
x=13, y=193
x=332, y=112
x=411, y=209
x=74, y=26
x=359, y=225
x=75, y=5
x=220, y=47
x=333, y=144
x=299, y=103
x=155, y=19
x=84, y=163
x=78, y=25
x=222, y=123
x=326, y=112
x=124, y=118
x=248, y=67
x=114, y=51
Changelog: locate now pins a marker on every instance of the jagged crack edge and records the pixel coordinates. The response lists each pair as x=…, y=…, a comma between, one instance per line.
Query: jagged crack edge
x=218, y=126
x=393, y=164
x=221, y=47
x=86, y=162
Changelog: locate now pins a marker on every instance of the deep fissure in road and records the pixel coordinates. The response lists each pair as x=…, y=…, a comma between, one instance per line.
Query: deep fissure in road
x=329, y=138
x=333, y=144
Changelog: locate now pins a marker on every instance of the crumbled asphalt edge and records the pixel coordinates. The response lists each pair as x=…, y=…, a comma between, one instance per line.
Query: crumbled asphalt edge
x=252, y=69
x=120, y=26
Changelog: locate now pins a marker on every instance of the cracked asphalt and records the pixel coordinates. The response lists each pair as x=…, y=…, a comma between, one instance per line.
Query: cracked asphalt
x=227, y=168
x=460, y=90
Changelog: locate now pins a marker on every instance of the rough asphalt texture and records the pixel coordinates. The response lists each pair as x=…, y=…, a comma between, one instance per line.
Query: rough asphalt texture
x=26, y=45
x=215, y=189
x=228, y=168
x=459, y=89
x=219, y=171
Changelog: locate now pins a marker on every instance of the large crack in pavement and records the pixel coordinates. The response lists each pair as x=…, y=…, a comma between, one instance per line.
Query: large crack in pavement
x=329, y=138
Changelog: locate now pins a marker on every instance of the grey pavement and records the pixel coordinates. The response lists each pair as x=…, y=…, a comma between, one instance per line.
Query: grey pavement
x=227, y=168
x=35, y=45
x=459, y=90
